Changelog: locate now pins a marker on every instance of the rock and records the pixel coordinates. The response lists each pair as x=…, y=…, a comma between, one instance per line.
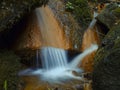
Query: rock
x=106, y=74
x=29, y=36
x=9, y=67
x=112, y=14
x=72, y=29
x=33, y=82
x=12, y=11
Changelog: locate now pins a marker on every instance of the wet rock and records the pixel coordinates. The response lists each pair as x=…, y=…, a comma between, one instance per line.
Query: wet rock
x=106, y=75
x=112, y=14
x=33, y=82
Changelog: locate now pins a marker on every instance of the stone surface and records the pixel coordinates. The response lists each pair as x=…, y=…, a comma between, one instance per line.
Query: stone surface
x=12, y=11
x=110, y=16
x=73, y=31
x=11, y=14
x=106, y=75
x=34, y=83
x=9, y=67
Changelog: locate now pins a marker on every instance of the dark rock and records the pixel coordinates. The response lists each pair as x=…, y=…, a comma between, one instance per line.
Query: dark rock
x=11, y=11
x=112, y=14
x=13, y=17
x=9, y=67
x=106, y=75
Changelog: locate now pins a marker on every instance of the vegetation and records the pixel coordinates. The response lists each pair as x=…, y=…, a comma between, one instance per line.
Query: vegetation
x=80, y=9
x=5, y=85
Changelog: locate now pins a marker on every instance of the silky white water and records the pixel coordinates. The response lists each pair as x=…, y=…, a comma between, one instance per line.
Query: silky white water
x=56, y=69
x=55, y=65
x=53, y=57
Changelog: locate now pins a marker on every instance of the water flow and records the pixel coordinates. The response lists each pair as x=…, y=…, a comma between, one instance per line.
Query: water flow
x=77, y=60
x=90, y=37
x=56, y=69
x=51, y=32
x=53, y=57
x=93, y=22
x=37, y=58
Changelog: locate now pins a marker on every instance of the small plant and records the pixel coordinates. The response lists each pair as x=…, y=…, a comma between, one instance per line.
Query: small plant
x=80, y=9
x=5, y=85
x=69, y=6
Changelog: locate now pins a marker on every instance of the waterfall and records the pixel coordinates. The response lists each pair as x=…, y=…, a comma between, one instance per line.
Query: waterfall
x=55, y=65
x=77, y=60
x=56, y=69
x=53, y=57
x=93, y=22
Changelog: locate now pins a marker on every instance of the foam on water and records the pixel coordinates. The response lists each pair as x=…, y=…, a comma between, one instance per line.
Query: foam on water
x=56, y=69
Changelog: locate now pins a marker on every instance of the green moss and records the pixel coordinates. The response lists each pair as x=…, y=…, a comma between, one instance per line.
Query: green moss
x=117, y=12
x=107, y=62
x=80, y=9
x=9, y=67
x=110, y=15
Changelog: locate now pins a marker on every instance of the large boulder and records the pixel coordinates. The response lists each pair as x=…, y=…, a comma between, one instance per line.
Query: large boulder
x=110, y=16
x=106, y=75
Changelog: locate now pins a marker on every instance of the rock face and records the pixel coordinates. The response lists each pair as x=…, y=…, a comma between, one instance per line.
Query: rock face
x=106, y=75
x=9, y=67
x=110, y=16
x=11, y=12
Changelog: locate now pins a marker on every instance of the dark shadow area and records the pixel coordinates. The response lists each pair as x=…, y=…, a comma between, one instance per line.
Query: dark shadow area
x=7, y=37
x=102, y=28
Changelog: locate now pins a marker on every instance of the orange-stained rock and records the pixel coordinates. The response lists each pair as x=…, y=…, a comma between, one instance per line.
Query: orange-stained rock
x=90, y=37
x=34, y=83
x=52, y=33
x=29, y=37
x=40, y=30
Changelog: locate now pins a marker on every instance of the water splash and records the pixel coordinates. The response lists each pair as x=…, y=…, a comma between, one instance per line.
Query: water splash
x=78, y=59
x=56, y=71
x=53, y=57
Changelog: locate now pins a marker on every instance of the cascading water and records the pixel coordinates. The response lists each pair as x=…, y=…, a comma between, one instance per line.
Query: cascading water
x=90, y=36
x=53, y=57
x=55, y=65
x=56, y=69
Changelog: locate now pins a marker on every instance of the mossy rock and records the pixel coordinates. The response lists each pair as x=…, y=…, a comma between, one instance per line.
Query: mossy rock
x=11, y=11
x=106, y=75
x=112, y=12
x=9, y=67
x=81, y=11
